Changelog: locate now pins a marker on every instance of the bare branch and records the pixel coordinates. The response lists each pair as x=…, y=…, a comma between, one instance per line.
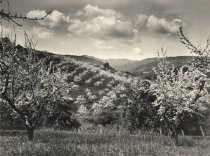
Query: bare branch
x=8, y=16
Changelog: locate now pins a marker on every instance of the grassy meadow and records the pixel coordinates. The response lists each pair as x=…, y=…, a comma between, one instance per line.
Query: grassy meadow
x=64, y=143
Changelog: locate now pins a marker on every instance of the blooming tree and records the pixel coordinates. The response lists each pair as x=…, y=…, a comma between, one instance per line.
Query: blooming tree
x=137, y=109
x=181, y=95
x=26, y=85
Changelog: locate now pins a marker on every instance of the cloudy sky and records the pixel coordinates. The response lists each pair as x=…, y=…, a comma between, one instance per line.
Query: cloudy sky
x=132, y=29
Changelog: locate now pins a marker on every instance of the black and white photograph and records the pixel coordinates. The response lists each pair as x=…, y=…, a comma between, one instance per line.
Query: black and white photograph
x=104, y=77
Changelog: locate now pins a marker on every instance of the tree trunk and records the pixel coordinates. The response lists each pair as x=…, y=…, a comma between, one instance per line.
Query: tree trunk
x=182, y=132
x=201, y=129
x=176, y=138
x=160, y=130
x=30, y=132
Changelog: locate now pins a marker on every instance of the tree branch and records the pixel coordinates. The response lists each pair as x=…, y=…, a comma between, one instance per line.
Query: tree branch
x=8, y=16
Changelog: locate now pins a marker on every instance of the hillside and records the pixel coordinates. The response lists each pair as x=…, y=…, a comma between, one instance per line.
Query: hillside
x=86, y=73
x=138, y=68
x=95, y=87
x=83, y=58
x=144, y=68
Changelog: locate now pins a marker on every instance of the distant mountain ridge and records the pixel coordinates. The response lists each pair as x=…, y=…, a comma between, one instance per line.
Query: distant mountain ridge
x=142, y=68
x=122, y=64
x=145, y=65
x=139, y=68
x=133, y=66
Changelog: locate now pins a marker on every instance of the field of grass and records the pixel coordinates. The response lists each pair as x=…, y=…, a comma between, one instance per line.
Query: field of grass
x=63, y=143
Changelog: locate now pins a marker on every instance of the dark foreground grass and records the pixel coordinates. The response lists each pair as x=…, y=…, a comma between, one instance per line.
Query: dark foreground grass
x=61, y=143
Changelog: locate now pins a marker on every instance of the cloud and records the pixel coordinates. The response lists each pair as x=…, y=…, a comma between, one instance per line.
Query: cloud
x=105, y=24
x=162, y=26
x=141, y=21
x=158, y=25
x=101, y=23
x=54, y=19
x=36, y=13
x=42, y=32
x=94, y=11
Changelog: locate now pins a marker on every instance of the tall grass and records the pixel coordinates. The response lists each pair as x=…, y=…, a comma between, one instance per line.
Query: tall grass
x=63, y=143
